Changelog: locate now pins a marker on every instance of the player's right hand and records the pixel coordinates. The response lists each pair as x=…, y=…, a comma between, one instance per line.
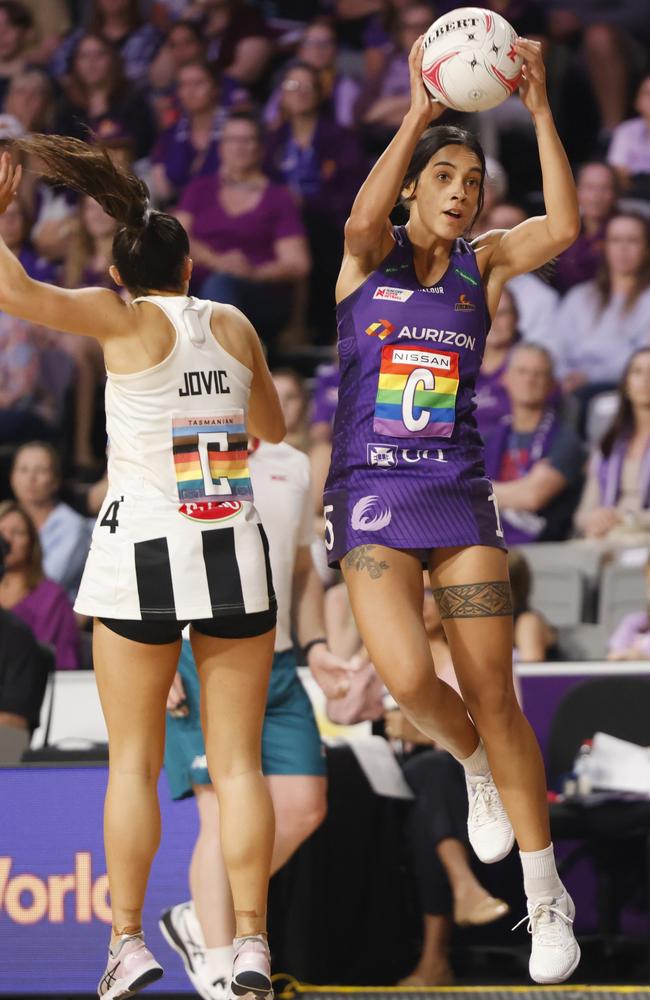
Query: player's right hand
x=423, y=104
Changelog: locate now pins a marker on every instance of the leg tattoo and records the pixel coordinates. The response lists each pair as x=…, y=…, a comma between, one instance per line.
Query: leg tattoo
x=474, y=600
x=361, y=559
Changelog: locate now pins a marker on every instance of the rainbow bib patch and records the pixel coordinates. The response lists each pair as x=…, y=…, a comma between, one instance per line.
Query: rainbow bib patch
x=211, y=457
x=416, y=392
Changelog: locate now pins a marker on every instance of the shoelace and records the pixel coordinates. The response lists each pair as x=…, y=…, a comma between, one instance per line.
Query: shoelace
x=485, y=802
x=540, y=915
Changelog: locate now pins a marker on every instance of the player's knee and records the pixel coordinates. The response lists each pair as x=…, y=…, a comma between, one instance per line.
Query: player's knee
x=302, y=819
x=492, y=706
x=412, y=689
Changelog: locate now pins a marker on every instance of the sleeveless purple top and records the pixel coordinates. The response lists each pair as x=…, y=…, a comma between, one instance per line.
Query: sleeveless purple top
x=409, y=358
x=407, y=456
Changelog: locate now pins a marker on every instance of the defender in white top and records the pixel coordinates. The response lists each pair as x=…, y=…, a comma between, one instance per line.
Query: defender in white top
x=177, y=540
x=177, y=459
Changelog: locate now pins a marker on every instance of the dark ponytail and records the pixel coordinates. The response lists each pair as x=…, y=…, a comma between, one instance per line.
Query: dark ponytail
x=149, y=247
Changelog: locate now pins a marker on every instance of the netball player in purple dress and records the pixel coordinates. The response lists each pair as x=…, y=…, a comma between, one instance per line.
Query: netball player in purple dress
x=407, y=483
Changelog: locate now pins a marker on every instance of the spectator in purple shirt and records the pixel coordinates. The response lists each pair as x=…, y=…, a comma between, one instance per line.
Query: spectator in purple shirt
x=629, y=152
x=325, y=397
x=597, y=193
x=491, y=398
x=14, y=229
x=318, y=48
x=183, y=44
x=324, y=165
x=385, y=96
x=97, y=92
x=189, y=148
x=239, y=39
x=122, y=25
x=247, y=240
x=25, y=591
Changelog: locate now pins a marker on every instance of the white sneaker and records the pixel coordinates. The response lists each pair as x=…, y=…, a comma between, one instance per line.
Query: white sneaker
x=489, y=829
x=555, y=952
x=182, y=932
x=130, y=968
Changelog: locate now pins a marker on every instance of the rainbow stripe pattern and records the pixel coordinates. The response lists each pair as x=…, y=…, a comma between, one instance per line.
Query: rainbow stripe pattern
x=211, y=457
x=414, y=381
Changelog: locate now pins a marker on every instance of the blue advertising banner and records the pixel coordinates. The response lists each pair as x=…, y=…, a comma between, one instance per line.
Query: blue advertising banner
x=54, y=906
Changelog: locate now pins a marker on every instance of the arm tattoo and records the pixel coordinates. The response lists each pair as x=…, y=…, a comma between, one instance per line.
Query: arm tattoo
x=475, y=600
x=361, y=559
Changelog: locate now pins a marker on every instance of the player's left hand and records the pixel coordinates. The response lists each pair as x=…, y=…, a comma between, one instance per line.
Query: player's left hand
x=532, y=88
x=9, y=181
x=330, y=672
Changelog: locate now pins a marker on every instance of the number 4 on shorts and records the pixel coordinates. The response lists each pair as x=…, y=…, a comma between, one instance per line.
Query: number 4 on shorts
x=109, y=519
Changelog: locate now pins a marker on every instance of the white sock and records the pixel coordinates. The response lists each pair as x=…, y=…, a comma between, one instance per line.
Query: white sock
x=219, y=963
x=540, y=874
x=477, y=763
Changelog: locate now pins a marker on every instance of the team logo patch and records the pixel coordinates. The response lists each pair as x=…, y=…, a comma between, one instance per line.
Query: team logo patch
x=382, y=456
x=370, y=514
x=393, y=294
x=382, y=329
x=463, y=304
x=208, y=510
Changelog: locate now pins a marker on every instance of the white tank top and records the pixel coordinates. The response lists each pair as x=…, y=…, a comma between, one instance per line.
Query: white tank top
x=180, y=426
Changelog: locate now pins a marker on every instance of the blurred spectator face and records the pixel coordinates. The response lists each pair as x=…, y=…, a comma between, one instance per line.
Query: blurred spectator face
x=596, y=191
x=529, y=377
x=16, y=534
x=240, y=147
x=642, y=103
x=33, y=479
x=505, y=217
x=13, y=38
x=413, y=22
x=300, y=92
x=93, y=64
x=184, y=45
x=637, y=383
x=318, y=47
x=12, y=226
x=28, y=97
x=292, y=401
x=114, y=7
x=626, y=246
x=197, y=90
x=504, y=325
x=96, y=221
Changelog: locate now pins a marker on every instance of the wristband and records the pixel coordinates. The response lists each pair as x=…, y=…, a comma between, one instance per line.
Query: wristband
x=310, y=645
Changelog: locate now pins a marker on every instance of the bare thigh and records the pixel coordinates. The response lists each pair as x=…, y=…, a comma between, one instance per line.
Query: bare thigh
x=386, y=594
x=133, y=680
x=472, y=589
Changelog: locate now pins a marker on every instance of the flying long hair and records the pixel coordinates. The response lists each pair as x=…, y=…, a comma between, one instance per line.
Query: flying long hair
x=149, y=247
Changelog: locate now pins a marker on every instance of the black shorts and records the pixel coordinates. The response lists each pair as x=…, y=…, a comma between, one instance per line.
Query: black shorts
x=240, y=626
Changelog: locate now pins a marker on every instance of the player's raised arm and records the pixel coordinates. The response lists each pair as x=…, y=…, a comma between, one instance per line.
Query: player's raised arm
x=536, y=241
x=367, y=231
x=94, y=312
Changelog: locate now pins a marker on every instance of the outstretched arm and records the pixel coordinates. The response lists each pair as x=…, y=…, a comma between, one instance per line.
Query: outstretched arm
x=95, y=312
x=535, y=241
x=367, y=231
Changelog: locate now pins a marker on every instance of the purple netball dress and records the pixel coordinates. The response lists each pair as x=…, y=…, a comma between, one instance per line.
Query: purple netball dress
x=407, y=466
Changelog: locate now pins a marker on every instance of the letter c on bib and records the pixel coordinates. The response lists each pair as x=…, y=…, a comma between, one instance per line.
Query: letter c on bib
x=419, y=376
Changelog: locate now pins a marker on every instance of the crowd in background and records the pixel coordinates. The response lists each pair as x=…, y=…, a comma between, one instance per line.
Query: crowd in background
x=255, y=123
